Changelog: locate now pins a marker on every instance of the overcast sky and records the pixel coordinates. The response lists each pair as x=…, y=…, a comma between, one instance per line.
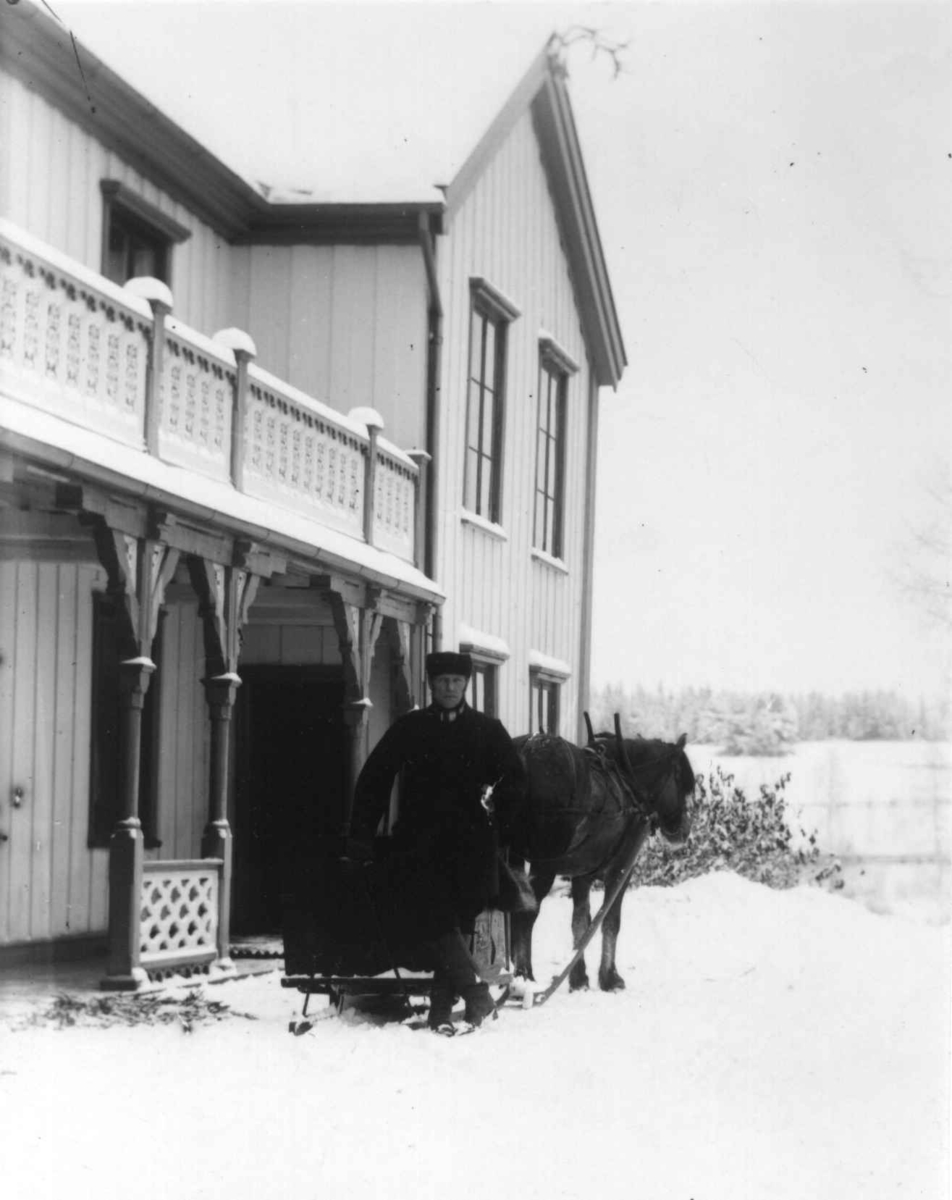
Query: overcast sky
x=773, y=189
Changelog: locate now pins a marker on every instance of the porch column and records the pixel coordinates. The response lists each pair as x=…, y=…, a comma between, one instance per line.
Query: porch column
x=357, y=631
x=125, y=846
x=220, y=692
x=225, y=595
x=139, y=564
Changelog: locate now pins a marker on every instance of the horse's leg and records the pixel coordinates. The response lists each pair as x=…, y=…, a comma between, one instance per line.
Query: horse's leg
x=521, y=924
x=608, y=978
x=581, y=919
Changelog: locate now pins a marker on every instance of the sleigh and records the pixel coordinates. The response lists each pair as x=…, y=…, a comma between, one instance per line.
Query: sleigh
x=341, y=942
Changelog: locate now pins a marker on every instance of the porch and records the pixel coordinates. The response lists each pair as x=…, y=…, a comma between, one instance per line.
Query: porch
x=170, y=460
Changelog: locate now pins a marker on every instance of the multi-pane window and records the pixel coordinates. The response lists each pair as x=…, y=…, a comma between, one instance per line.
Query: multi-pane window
x=137, y=237
x=543, y=704
x=483, y=688
x=555, y=367
x=490, y=315
x=550, y=451
x=134, y=249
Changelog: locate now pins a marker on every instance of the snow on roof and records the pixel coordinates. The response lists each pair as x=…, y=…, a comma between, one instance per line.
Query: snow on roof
x=322, y=103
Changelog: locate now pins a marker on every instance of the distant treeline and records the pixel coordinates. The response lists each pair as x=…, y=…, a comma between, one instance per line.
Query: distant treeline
x=768, y=722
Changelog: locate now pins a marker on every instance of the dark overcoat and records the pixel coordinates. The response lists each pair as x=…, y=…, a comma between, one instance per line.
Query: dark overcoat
x=441, y=866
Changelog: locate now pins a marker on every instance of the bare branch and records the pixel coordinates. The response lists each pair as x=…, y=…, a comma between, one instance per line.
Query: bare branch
x=600, y=44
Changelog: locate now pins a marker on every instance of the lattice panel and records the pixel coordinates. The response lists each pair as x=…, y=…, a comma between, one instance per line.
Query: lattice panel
x=179, y=912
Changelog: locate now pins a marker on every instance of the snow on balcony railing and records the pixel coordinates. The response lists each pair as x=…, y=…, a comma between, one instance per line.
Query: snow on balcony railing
x=114, y=360
x=198, y=386
x=302, y=454
x=70, y=341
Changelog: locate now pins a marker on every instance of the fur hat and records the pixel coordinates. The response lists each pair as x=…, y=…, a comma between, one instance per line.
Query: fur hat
x=448, y=662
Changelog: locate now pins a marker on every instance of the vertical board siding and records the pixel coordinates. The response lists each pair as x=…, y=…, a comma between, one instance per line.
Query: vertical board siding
x=54, y=194
x=40, y=801
x=51, y=883
x=506, y=231
x=183, y=735
x=345, y=324
x=64, y=748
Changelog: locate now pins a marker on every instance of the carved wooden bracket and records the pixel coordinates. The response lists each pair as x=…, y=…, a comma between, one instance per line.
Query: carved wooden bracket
x=138, y=570
x=357, y=632
x=401, y=650
x=225, y=596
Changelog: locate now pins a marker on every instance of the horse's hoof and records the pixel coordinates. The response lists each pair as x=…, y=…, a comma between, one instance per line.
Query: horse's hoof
x=578, y=985
x=612, y=983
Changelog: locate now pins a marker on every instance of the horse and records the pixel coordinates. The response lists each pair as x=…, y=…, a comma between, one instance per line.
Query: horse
x=585, y=809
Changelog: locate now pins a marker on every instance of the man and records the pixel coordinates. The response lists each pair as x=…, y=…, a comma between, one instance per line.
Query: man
x=460, y=775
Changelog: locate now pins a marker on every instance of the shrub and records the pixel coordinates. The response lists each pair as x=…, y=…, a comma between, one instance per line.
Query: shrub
x=752, y=837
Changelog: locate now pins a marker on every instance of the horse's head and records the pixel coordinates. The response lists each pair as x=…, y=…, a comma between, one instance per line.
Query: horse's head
x=660, y=776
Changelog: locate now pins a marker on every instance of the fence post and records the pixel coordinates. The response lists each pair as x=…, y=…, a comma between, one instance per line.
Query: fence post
x=159, y=298
x=242, y=346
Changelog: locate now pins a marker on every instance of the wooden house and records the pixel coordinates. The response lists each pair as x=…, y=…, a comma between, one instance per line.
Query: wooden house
x=257, y=455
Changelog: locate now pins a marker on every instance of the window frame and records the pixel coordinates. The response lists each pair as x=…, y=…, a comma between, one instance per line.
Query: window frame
x=556, y=367
x=545, y=689
x=488, y=308
x=487, y=670
x=140, y=218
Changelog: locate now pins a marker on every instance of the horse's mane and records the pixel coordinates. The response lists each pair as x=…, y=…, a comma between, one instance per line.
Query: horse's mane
x=653, y=750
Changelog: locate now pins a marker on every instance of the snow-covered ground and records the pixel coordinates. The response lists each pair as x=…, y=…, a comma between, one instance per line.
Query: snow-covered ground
x=769, y=1045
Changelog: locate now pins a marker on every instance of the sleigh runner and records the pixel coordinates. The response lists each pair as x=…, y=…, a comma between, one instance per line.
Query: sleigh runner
x=343, y=938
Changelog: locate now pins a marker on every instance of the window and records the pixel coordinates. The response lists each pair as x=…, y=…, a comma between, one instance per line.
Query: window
x=555, y=366
x=105, y=807
x=483, y=688
x=138, y=238
x=543, y=704
x=490, y=315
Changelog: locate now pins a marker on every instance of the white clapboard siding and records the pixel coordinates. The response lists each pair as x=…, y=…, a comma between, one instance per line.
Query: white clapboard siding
x=55, y=195
x=183, y=764
x=51, y=883
x=506, y=233
x=346, y=324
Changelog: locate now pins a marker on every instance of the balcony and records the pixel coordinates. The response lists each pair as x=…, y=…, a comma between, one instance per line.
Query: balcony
x=134, y=389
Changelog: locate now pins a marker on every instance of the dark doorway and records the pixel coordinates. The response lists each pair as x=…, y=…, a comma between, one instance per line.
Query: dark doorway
x=291, y=754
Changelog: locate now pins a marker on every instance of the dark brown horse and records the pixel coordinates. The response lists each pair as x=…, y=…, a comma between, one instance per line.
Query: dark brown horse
x=584, y=810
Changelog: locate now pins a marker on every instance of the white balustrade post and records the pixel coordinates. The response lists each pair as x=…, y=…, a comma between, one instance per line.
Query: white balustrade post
x=242, y=346
x=373, y=421
x=159, y=298
x=422, y=460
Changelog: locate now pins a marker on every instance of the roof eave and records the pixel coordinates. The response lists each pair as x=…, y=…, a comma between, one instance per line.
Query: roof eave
x=563, y=161
x=39, y=50
x=542, y=90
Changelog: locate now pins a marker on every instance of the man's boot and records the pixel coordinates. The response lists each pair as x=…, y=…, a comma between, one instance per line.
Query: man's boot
x=456, y=975
x=442, y=998
x=479, y=1004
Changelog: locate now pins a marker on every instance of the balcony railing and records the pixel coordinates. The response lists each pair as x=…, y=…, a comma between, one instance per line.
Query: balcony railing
x=115, y=361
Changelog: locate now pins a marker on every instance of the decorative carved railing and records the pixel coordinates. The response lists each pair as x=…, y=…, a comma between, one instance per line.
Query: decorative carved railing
x=302, y=457
x=197, y=390
x=178, y=926
x=106, y=359
x=71, y=343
